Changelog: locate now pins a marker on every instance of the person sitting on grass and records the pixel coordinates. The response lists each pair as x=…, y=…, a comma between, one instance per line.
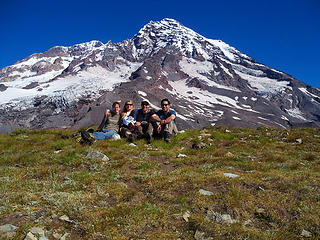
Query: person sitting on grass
x=166, y=121
x=143, y=126
x=108, y=127
x=127, y=121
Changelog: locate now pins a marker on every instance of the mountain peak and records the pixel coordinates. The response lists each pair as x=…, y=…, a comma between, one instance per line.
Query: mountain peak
x=165, y=22
x=166, y=26
x=168, y=32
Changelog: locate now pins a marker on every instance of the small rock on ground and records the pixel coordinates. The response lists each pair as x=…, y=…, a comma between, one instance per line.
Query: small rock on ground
x=65, y=218
x=94, y=154
x=30, y=236
x=306, y=233
x=205, y=134
x=201, y=236
x=186, y=216
x=229, y=154
x=230, y=175
x=65, y=236
x=205, y=192
x=57, y=235
x=281, y=165
x=36, y=233
x=198, y=145
x=247, y=223
x=8, y=230
x=220, y=218
x=180, y=155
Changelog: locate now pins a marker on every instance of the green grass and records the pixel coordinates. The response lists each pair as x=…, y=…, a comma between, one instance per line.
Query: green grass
x=143, y=191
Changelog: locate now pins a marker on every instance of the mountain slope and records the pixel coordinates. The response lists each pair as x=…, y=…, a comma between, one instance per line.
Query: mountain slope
x=208, y=81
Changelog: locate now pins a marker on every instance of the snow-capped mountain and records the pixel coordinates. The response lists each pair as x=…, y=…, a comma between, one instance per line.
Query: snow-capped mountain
x=208, y=82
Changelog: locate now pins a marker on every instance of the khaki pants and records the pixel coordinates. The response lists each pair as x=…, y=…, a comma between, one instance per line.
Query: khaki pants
x=144, y=129
x=169, y=128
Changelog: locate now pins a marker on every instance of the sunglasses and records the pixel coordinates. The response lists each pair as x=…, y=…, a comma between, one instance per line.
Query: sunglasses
x=129, y=104
x=144, y=105
x=164, y=105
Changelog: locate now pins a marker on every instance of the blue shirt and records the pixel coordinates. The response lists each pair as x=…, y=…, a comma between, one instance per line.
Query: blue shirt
x=164, y=116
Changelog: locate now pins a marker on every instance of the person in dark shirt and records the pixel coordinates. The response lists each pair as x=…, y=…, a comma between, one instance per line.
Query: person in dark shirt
x=143, y=126
x=165, y=120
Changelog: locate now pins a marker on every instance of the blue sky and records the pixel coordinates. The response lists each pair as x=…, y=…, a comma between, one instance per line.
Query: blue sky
x=282, y=34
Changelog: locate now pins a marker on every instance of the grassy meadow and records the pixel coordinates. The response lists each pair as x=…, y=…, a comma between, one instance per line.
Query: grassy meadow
x=147, y=192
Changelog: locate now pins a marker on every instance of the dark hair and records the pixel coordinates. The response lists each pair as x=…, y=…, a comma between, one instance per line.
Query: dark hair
x=115, y=103
x=165, y=100
x=145, y=103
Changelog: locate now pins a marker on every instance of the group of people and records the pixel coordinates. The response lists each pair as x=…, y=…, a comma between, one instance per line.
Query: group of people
x=131, y=123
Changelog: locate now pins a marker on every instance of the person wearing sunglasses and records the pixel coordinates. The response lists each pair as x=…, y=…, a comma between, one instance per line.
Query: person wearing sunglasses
x=128, y=120
x=144, y=128
x=166, y=121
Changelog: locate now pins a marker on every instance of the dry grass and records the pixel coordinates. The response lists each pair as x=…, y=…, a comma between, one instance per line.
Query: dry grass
x=143, y=192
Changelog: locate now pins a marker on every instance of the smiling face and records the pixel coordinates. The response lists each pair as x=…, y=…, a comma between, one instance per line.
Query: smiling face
x=165, y=105
x=128, y=106
x=145, y=107
x=116, y=108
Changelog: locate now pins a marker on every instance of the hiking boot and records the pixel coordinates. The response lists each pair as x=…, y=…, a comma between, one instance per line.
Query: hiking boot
x=86, y=138
x=131, y=138
x=167, y=137
x=148, y=137
x=90, y=130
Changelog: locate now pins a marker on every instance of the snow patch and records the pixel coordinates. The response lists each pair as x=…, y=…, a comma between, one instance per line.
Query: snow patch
x=197, y=69
x=305, y=91
x=70, y=88
x=234, y=112
x=263, y=84
x=226, y=70
x=225, y=48
x=296, y=113
x=203, y=97
x=142, y=93
x=263, y=119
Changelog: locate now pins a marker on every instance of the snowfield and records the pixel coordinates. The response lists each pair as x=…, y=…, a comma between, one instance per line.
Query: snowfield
x=88, y=82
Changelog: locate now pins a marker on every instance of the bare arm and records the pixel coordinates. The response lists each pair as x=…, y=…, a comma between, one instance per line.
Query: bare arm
x=155, y=118
x=168, y=120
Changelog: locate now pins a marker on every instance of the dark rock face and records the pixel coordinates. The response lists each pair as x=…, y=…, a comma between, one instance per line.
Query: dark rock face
x=31, y=85
x=207, y=81
x=3, y=87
